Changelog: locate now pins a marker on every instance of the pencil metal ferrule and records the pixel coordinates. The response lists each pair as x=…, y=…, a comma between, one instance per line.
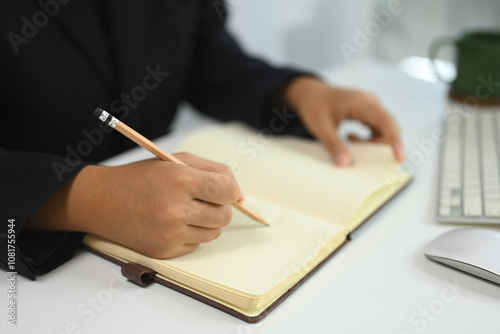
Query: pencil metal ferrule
x=108, y=119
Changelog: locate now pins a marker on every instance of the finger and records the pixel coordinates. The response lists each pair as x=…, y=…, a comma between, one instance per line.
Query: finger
x=243, y=196
x=383, y=125
x=394, y=139
x=326, y=132
x=207, y=215
x=396, y=148
x=179, y=250
x=214, y=187
x=190, y=247
x=399, y=152
x=388, y=132
x=385, y=129
x=200, y=235
x=354, y=138
x=203, y=164
x=209, y=166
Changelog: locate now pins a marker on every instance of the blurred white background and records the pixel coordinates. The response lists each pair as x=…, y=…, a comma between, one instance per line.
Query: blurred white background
x=311, y=33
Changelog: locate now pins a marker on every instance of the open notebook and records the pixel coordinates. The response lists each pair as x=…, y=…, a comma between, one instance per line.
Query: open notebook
x=310, y=204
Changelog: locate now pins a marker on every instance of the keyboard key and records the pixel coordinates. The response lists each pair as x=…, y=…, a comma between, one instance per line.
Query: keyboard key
x=454, y=179
x=472, y=186
x=445, y=194
x=472, y=192
x=492, y=209
x=470, y=166
x=456, y=185
x=491, y=189
x=490, y=179
x=444, y=211
x=491, y=195
x=472, y=207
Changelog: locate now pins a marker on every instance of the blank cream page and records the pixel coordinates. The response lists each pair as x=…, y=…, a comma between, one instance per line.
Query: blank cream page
x=297, y=173
x=249, y=263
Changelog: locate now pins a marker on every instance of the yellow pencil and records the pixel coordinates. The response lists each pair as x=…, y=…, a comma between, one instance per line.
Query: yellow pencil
x=140, y=140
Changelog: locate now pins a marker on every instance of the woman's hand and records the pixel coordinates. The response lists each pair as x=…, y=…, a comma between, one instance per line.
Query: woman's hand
x=157, y=208
x=322, y=108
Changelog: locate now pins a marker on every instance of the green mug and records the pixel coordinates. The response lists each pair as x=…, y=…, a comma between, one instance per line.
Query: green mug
x=477, y=66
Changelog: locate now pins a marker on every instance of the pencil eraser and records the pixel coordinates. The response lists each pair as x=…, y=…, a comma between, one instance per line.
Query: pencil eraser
x=98, y=112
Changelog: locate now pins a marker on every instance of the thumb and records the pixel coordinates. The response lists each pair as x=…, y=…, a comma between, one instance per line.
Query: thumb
x=243, y=196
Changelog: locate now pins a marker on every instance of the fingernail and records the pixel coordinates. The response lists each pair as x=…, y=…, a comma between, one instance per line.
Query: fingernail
x=242, y=197
x=400, y=154
x=342, y=159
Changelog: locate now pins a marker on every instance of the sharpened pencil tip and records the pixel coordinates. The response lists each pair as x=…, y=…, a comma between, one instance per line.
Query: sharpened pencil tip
x=250, y=213
x=98, y=112
x=261, y=220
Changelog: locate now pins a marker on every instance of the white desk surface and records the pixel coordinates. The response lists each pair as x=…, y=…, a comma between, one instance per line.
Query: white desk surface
x=379, y=283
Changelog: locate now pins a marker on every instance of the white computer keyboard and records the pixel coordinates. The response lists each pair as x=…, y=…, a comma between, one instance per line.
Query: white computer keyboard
x=469, y=179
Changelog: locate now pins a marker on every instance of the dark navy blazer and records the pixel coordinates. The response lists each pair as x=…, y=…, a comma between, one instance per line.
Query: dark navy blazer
x=59, y=59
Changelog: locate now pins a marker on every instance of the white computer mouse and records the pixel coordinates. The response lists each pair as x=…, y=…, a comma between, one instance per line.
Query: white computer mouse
x=473, y=250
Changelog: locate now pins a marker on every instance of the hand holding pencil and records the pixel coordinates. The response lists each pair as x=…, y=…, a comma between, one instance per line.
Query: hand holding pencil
x=157, y=208
x=163, y=210
x=136, y=137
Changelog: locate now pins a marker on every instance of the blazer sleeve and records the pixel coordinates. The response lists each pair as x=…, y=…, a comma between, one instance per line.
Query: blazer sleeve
x=27, y=181
x=225, y=82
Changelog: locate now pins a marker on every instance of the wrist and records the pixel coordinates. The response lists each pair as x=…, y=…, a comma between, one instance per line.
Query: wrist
x=71, y=208
x=301, y=93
